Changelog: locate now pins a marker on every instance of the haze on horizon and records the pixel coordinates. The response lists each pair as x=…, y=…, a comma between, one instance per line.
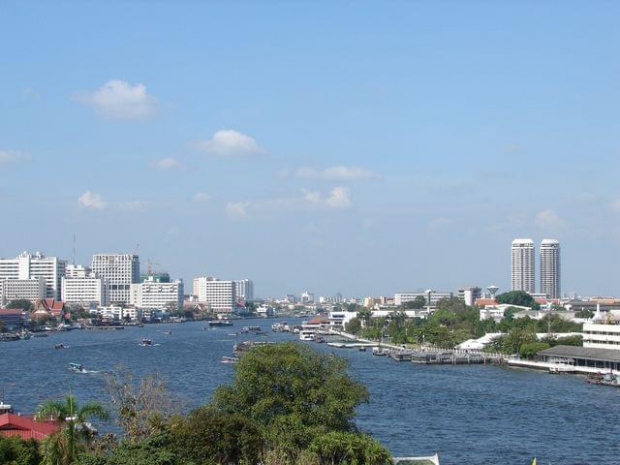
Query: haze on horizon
x=365, y=148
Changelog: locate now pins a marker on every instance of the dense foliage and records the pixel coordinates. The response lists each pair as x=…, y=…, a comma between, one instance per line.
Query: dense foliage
x=286, y=405
x=517, y=298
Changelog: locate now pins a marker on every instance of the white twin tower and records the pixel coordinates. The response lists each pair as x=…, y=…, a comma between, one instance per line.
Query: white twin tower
x=523, y=270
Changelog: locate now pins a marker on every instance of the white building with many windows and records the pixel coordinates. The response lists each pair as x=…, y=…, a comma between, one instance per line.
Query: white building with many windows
x=603, y=331
x=87, y=291
x=151, y=294
x=120, y=271
x=522, y=268
x=550, y=276
x=221, y=296
x=33, y=266
x=28, y=289
x=245, y=290
x=430, y=297
x=77, y=271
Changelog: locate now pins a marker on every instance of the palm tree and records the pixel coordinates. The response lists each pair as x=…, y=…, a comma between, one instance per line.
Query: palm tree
x=61, y=448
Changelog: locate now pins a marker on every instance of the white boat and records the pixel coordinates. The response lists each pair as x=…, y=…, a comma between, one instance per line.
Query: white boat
x=146, y=343
x=227, y=359
x=380, y=351
x=307, y=335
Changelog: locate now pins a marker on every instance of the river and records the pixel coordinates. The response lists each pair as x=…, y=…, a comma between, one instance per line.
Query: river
x=474, y=415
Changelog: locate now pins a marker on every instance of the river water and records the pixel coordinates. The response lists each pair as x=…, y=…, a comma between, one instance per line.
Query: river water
x=468, y=414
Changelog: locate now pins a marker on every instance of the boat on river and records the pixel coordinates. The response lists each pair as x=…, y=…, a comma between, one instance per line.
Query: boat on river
x=227, y=359
x=77, y=368
x=220, y=323
x=146, y=342
x=604, y=379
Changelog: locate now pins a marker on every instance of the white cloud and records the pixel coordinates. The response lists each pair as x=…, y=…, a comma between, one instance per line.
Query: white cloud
x=437, y=224
x=202, y=197
x=165, y=163
x=230, y=143
x=548, y=220
x=10, y=156
x=118, y=99
x=132, y=205
x=91, y=200
x=339, y=198
x=333, y=173
x=237, y=210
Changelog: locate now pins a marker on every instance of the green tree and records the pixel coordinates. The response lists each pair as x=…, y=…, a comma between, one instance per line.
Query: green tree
x=528, y=350
x=16, y=451
x=294, y=393
x=339, y=447
x=452, y=304
x=364, y=314
x=209, y=436
x=62, y=448
x=415, y=304
x=354, y=326
x=521, y=298
x=24, y=304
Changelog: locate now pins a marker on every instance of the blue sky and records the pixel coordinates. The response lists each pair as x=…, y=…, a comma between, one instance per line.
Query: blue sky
x=360, y=147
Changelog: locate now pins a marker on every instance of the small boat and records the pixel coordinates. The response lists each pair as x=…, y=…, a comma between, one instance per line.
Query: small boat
x=227, y=359
x=362, y=348
x=380, y=351
x=168, y=333
x=604, y=379
x=218, y=323
x=77, y=368
x=146, y=343
x=60, y=346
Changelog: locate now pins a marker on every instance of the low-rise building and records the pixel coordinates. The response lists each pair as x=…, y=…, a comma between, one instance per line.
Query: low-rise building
x=431, y=297
x=152, y=294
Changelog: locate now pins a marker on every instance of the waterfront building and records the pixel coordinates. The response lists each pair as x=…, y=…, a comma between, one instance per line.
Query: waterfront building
x=602, y=332
x=120, y=271
x=550, y=275
x=220, y=295
x=245, y=290
x=28, y=289
x=153, y=294
x=431, y=297
x=470, y=294
x=26, y=427
x=33, y=266
x=12, y=318
x=87, y=291
x=116, y=313
x=522, y=268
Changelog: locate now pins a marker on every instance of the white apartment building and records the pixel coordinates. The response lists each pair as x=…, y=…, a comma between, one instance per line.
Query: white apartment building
x=85, y=291
x=431, y=297
x=29, y=289
x=151, y=294
x=307, y=297
x=469, y=294
x=550, y=275
x=120, y=271
x=32, y=266
x=245, y=290
x=77, y=271
x=221, y=296
x=522, y=269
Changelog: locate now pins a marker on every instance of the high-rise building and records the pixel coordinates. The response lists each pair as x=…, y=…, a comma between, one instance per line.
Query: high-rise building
x=36, y=266
x=221, y=296
x=522, y=269
x=550, y=275
x=245, y=290
x=120, y=271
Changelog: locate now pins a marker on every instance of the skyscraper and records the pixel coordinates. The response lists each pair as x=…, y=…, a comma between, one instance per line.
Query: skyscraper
x=550, y=268
x=522, y=270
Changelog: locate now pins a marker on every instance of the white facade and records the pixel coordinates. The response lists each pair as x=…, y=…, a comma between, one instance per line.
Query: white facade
x=77, y=271
x=430, y=297
x=470, y=294
x=29, y=289
x=116, y=313
x=120, y=271
x=221, y=296
x=602, y=335
x=522, y=268
x=307, y=297
x=33, y=266
x=245, y=290
x=84, y=291
x=550, y=277
x=151, y=294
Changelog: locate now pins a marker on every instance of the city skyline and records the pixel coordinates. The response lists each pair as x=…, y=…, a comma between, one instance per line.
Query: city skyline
x=363, y=150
